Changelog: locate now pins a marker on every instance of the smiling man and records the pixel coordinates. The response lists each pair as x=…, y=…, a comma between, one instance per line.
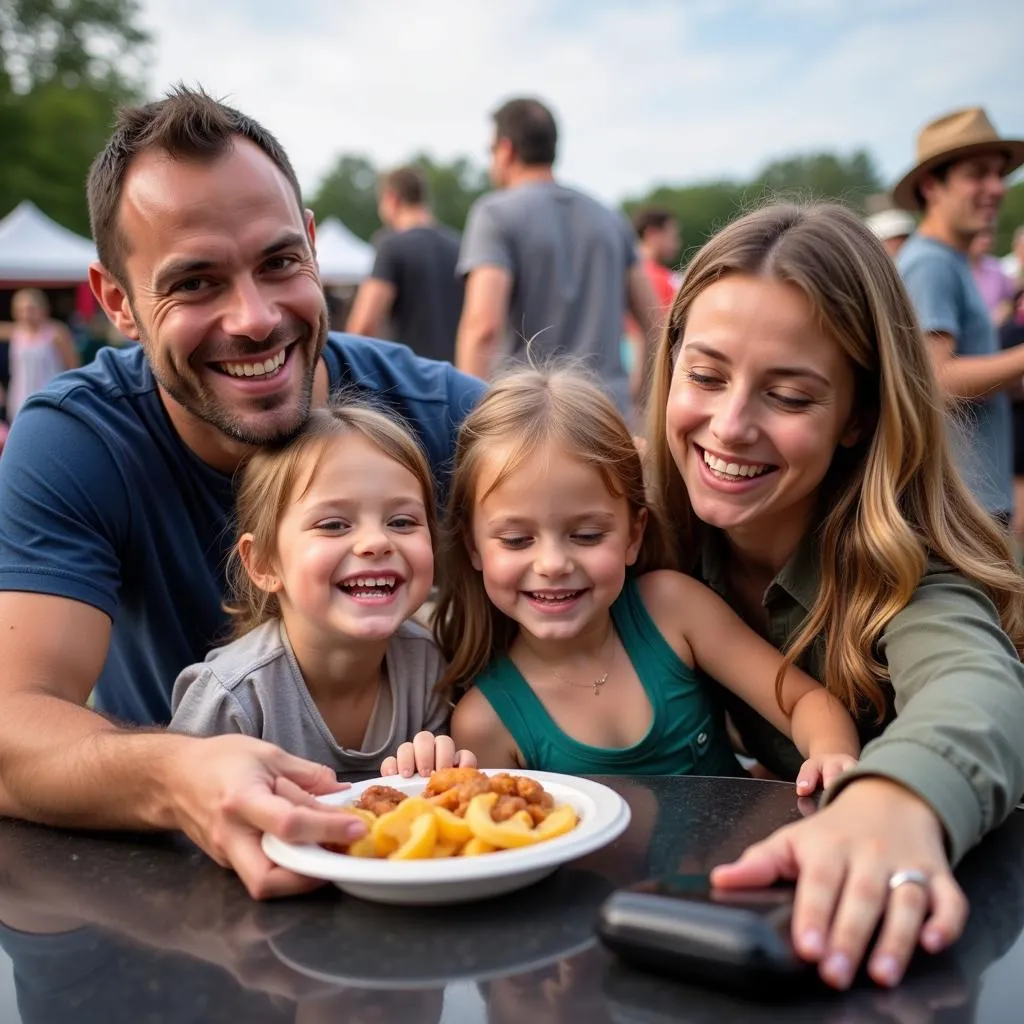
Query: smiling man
x=957, y=182
x=116, y=486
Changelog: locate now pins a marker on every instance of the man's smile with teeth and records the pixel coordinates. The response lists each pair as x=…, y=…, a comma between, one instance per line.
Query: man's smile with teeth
x=734, y=470
x=254, y=369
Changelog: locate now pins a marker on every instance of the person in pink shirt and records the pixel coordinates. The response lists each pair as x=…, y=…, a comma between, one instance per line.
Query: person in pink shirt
x=996, y=288
x=41, y=347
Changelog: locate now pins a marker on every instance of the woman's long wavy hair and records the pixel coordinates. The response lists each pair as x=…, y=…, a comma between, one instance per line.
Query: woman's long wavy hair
x=278, y=475
x=528, y=407
x=893, y=500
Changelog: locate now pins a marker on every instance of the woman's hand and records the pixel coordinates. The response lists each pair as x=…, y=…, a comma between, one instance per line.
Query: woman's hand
x=426, y=753
x=822, y=771
x=843, y=859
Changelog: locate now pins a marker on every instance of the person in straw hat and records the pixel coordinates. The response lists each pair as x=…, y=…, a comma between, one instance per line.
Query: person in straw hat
x=957, y=184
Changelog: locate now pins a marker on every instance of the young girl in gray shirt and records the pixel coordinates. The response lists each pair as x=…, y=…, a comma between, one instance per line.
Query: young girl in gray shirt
x=334, y=555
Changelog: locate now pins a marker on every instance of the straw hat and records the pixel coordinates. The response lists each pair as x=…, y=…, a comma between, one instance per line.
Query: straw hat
x=956, y=136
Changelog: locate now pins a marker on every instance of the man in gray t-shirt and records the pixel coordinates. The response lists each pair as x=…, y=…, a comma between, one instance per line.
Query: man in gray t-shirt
x=957, y=184
x=547, y=268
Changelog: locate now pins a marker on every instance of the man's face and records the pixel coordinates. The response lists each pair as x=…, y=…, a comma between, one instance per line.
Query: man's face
x=968, y=201
x=664, y=242
x=223, y=293
x=386, y=206
x=501, y=157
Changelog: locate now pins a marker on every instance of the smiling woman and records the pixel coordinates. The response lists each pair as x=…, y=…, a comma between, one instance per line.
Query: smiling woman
x=798, y=446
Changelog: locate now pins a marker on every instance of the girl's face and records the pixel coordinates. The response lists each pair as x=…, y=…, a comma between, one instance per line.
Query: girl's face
x=353, y=550
x=27, y=310
x=551, y=542
x=760, y=400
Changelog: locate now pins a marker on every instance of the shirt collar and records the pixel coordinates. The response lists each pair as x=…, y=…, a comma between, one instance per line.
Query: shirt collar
x=798, y=578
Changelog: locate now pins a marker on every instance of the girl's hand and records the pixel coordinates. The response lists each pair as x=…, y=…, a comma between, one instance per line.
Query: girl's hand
x=426, y=753
x=843, y=858
x=822, y=771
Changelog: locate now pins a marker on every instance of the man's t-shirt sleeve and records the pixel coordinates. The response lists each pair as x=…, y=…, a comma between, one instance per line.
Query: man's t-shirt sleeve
x=385, y=264
x=64, y=509
x=484, y=242
x=934, y=288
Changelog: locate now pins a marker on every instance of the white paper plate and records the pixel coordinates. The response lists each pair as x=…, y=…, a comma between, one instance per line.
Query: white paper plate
x=603, y=817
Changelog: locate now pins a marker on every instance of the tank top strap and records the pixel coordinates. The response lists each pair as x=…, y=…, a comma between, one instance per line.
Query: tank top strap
x=518, y=707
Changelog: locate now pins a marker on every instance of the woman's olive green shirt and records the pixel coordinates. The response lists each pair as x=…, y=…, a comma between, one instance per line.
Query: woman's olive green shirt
x=954, y=733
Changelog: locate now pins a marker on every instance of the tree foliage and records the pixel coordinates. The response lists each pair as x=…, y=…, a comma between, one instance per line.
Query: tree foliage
x=64, y=67
x=705, y=208
x=349, y=191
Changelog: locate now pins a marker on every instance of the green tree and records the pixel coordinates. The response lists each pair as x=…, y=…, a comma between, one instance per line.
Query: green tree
x=848, y=180
x=349, y=191
x=1011, y=217
x=64, y=66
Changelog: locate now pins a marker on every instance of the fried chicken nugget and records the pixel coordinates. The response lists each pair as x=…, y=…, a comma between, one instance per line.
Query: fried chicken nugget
x=447, y=778
x=379, y=800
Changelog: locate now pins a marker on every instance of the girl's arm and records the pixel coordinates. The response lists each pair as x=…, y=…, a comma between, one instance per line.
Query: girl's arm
x=67, y=347
x=726, y=648
x=476, y=727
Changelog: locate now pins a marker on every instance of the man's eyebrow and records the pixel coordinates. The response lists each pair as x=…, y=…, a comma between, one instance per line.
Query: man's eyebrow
x=185, y=267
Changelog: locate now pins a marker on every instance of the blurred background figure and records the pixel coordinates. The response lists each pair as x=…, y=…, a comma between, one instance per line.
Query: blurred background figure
x=892, y=228
x=413, y=282
x=40, y=348
x=996, y=287
x=548, y=269
x=1013, y=262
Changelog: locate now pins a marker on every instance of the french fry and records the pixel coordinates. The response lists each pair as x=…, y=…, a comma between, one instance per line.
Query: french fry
x=475, y=847
x=391, y=830
x=421, y=841
x=505, y=835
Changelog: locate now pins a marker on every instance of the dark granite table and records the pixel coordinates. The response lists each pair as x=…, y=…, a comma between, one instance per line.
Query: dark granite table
x=147, y=930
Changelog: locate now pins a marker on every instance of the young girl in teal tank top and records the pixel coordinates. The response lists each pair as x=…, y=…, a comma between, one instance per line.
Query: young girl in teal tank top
x=576, y=651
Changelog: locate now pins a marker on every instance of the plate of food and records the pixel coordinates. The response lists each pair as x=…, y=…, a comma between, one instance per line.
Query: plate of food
x=463, y=834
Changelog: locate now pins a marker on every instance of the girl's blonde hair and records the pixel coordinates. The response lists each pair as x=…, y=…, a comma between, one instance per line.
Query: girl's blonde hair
x=894, y=499
x=530, y=407
x=278, y=475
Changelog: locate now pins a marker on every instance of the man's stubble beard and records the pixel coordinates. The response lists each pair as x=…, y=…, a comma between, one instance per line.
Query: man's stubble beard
x=203, y=404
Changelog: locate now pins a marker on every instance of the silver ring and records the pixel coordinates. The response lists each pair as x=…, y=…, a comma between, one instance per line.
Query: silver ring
x=912, y=876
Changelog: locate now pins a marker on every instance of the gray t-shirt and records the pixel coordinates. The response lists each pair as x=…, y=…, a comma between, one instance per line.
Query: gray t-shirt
x=254, y=686
x=568, y=256
x=946, y=298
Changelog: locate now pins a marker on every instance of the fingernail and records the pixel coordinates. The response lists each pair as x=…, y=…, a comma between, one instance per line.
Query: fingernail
x=356, y=830
x=932, y=940
x=406, y=774
x=885, y=970
x=812, y=944
x=804, y=785
x=837, y=970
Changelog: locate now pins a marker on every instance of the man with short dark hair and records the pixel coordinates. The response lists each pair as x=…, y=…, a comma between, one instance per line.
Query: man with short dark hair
x=549, y=271
x=413, y=281
x=957, y=184
x=116, y=488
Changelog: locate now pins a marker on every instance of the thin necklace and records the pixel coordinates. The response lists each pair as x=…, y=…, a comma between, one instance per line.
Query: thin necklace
x=597, y=683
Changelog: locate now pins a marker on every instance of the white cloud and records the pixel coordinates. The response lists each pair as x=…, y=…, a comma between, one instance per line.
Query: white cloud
x=646, y=92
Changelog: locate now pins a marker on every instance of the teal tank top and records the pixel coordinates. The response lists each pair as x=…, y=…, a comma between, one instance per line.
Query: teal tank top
x=687, y=734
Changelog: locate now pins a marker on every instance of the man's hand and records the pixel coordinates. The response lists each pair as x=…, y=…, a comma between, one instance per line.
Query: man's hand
x=228, y=790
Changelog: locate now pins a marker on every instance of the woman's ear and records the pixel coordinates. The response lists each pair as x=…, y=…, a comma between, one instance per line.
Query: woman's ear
x=474, y=555
x=860, y=424
x=637, y=529
x=259, y=573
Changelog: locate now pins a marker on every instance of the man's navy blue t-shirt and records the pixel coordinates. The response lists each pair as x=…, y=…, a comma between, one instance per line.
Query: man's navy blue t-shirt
x=102, y=502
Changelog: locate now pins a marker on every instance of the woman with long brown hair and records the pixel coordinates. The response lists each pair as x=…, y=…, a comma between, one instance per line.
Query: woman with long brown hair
x=798, y=450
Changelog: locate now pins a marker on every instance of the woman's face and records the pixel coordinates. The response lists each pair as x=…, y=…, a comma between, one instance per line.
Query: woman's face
x=760, y=400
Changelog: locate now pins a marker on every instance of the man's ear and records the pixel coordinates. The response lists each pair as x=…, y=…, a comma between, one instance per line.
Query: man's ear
x=261, y=575
x=113, y=298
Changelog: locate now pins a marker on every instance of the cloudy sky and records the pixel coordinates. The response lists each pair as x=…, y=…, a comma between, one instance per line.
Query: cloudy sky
x=646, y=91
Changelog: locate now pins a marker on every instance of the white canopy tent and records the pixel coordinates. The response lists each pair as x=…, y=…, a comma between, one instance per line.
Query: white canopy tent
x=37, y=250
x=343, y=257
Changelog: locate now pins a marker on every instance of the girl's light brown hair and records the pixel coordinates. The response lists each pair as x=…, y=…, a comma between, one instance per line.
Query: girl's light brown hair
x=529, y=407
x=278, y=475
x=893, y=500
